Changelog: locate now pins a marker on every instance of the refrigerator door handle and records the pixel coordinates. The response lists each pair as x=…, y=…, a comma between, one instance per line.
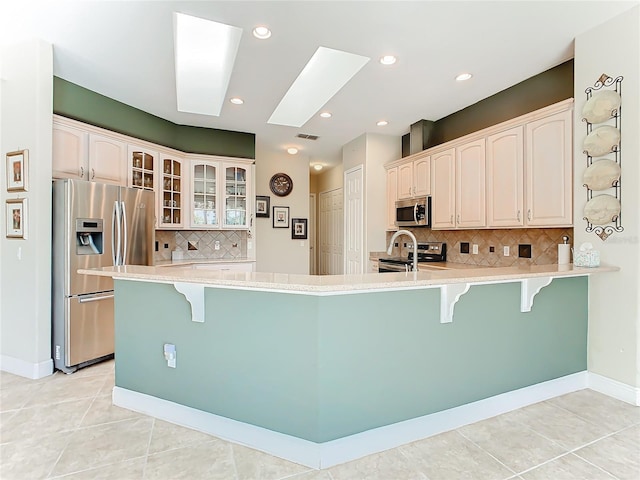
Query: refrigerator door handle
x=118, y=234
x=95, y=299
x=124, y=233
x=114, y=215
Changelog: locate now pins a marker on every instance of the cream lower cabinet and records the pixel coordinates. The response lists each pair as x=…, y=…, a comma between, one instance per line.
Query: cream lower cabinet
x=505, y=178
x=548, y=171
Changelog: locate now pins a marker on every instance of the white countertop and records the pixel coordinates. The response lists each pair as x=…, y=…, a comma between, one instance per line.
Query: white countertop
x=336, y=284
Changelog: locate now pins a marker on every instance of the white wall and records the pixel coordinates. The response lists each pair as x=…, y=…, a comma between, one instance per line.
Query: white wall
x=25, y=269
x=373, y=151
x=614, y=310
x=276, y=251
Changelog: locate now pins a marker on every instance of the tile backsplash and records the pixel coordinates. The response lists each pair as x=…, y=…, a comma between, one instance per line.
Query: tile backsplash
x=544, y=244
x=200, y=244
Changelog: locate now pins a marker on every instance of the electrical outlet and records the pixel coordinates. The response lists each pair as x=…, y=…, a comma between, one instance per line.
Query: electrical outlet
x=505, y=250
x=492, y=249
x=464, y=247
x=474, y=249
x=216, y=245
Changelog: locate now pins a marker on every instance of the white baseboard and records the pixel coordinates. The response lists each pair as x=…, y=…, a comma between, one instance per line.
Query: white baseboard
x=327, y=454
x=614, y=389
x=26, y=369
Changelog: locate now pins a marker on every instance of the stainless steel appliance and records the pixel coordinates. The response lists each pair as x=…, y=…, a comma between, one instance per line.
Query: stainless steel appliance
x=427, y=252
x=94, y=225
x=413, y=212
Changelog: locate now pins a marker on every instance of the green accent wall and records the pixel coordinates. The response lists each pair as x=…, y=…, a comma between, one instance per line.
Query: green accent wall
x=73, y=101
x=546, y=88
x=324, y=367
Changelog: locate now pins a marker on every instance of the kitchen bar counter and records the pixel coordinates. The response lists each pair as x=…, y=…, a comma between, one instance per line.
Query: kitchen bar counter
x=321, y=370
x=339, y=284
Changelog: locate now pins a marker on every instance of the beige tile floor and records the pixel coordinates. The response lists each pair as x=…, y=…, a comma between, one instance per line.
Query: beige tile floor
x=64, y=426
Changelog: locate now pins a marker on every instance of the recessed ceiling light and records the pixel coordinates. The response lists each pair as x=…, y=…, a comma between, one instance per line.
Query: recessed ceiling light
x=382, y=123
x=261, y=32
x=236, y=101
x=292, y=150
x=205, y=52
x=388, y=60
x=327, y=71
x=463, y=76
x=325, y=114
x=317, y=167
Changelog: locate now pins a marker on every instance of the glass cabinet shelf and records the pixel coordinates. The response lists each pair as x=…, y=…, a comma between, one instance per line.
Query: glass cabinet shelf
x=171, y=196
x=142, y=165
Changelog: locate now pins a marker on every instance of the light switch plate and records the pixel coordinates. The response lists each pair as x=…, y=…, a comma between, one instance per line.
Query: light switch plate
x=474, y=249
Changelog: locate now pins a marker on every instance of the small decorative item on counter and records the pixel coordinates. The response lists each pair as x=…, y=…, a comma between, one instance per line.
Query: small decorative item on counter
x=564, y=250
x=586, y=256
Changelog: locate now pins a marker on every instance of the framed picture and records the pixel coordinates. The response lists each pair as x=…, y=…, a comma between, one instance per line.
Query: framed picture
x=299, y=228
x=17, y=171
x=280, y=217
x=262, y=206
x=17, y=218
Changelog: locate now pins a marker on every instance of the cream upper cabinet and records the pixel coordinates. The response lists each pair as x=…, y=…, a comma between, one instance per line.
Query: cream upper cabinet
x=107, y=159
x=505, y=178
x=70, y=157
x=548, y=171
x=392, y=196
x=422, y=176
x=171, y=192
x=405, y=181
x=443, y=190
x=205, y=194
x=141, y=166
x=414, y=178
x=470, y=185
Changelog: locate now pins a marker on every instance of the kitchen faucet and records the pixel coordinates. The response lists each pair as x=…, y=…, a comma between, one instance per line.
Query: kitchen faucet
x=415, y=246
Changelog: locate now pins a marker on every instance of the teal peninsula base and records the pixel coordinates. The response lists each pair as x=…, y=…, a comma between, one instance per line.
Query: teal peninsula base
x=307, y=371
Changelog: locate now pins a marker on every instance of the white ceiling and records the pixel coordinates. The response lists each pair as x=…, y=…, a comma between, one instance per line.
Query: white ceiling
x=124, y=50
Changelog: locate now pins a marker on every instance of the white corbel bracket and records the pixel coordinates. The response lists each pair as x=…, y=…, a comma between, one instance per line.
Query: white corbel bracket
x=194, y=294
x=529, y=288
x=449, y=296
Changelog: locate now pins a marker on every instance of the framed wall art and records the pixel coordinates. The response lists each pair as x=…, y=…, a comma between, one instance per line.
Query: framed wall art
x=280, y=217
x=17, y=218
x=299, y=228
x=18, y=171
x=262, y=206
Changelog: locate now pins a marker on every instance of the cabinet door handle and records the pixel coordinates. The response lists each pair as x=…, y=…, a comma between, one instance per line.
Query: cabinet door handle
x=458, y=219
x=518, y=215
x=93, y=174
x=81, y=172
x=451, y=219
x=529, y=214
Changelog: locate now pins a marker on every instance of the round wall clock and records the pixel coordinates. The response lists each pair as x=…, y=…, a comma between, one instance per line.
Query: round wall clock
x=281, y=184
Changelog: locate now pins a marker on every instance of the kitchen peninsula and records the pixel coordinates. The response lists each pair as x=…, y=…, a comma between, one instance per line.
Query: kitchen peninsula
x=323, y=369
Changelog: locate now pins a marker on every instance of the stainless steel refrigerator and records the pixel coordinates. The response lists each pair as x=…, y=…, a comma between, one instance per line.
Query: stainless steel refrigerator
x=94, y=225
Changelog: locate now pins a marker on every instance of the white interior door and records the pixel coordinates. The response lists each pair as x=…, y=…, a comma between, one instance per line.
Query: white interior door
x=312, y=234
x=331, y=232
x=354, y=220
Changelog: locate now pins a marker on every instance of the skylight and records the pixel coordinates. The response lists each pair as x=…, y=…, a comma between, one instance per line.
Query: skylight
x=323, y=76
x=205, y=52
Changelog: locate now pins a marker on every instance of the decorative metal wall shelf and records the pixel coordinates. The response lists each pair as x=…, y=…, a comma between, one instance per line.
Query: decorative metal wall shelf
x=610, y=127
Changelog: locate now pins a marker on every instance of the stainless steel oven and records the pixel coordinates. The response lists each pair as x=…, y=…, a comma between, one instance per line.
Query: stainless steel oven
x=413, y=212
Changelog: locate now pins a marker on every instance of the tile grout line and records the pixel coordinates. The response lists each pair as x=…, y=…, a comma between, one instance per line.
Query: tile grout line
x=146, y=455
x=514, y=474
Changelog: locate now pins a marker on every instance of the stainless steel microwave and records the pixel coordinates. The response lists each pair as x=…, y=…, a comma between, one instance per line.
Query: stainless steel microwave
x=413, y=212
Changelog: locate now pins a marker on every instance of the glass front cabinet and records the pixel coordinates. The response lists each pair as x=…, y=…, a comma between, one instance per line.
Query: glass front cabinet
x=221, y=193
x=170, y=185
x=142, y=168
